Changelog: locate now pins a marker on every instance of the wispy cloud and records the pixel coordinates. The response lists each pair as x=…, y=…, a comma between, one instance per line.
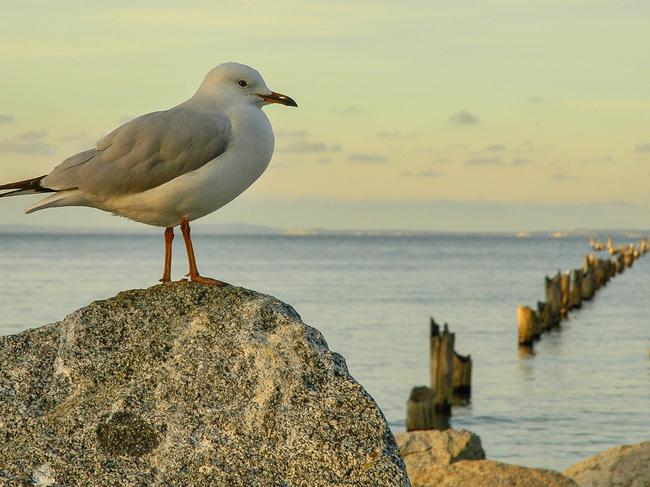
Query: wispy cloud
x=643, y=147
x=520, y=161
x=323, y=160
x=33, y=135
x=74, y=137
x=388, y=135
x=537, y=99
x=427, y=173
x=366, y=157
x=495, y=148
x=598, y=159
x=27, y=143
x=558, y=176
x=300, y=146
x=293, y=134
x=350, y=110
x=483, y=161
x=464, y=117
x=6, y=118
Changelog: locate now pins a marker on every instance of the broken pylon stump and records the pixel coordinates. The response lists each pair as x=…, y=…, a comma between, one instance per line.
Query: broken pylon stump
x=420, y=410
x=553, y=292
x=526, y=326
x=461, y=378
x=588, y=289
x=575, y=293
x=542, y=317
x=441, y=362
x=565, y=288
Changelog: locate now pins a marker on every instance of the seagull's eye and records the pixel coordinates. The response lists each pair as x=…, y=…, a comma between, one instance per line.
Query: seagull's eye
x=242, y=83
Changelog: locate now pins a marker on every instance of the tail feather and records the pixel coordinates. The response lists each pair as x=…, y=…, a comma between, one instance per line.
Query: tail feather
x=66, y=197
x=28, y=186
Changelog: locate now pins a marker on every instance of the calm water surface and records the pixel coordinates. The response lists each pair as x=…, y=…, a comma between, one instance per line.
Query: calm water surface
x=586, y=389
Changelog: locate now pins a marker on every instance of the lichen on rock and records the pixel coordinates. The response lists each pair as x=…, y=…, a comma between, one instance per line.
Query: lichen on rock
x=185, y=384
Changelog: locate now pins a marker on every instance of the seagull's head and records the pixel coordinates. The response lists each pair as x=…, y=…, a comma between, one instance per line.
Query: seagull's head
x=234, y=83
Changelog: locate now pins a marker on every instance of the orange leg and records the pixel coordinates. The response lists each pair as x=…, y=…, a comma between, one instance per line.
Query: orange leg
x=167, y=273
x=194, y=272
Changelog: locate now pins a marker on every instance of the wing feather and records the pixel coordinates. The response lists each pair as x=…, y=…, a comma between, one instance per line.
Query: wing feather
x=145, y=153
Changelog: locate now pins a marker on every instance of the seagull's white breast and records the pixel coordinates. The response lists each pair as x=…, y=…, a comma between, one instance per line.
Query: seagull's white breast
x=212, y=186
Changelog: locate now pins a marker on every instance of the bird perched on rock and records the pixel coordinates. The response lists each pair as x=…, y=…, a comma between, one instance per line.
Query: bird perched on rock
x=170, y=167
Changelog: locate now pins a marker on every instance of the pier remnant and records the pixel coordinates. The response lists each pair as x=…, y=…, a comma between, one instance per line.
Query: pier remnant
x=525, y=321
x=567, y=291
x=441, y=362
x=575, y=293
x=461, y=378
x=553, y=291
x=420, y=410
x=565, y=288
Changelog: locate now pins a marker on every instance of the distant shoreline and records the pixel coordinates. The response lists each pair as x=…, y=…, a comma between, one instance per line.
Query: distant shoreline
x=255, y=230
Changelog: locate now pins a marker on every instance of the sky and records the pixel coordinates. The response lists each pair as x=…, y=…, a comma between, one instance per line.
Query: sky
x=418, y=115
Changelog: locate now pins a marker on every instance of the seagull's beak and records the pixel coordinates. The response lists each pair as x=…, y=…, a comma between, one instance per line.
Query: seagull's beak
x=274, y=97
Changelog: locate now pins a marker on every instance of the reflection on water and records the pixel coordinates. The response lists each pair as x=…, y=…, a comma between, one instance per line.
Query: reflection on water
x=586, y=387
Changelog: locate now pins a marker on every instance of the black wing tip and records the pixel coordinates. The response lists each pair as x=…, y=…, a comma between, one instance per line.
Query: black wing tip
x=33, y=184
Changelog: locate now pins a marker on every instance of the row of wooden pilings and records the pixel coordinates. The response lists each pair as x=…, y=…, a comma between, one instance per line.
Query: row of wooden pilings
x=451, y=383
x=565, y=292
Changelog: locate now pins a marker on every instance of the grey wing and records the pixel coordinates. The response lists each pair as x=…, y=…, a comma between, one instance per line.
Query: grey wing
x=144, y=153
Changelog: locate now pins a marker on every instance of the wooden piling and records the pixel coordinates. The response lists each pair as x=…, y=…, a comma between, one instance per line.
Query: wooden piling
x=575, y=294
x=461, y=378
x=553, y=292
x=441, y=361
x=620, y=263
x=565, y=288
x=543, y=316
x=609, y=269
x=419, y=409
x=537, y=326
x=601, y=274
x=525, y=325
x=588, y=284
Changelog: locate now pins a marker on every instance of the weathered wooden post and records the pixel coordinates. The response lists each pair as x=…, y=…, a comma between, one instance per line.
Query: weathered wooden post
x=609, y=269
x=575, y=299
x=591, y=263
x=565, y=288
x=588, y=284
x=537, y=326
x=644, y=246
x=461, y=378
x=543, y=315
x=553, y=292
x=620, y=263
x=600, y=270
x=628, y=258
x=420, y=409
x=442, y=354
x=525, y=325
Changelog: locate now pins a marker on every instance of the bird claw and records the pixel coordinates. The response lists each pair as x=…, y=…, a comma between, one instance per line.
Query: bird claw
x=207, y=281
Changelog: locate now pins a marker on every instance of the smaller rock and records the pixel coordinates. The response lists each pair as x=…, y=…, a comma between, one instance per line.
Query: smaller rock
x=420, y=448
x=43, y=476
x=486, y=473
x=624, y=466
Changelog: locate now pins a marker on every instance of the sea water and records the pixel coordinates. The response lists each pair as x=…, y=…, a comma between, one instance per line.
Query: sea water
x=586, y=388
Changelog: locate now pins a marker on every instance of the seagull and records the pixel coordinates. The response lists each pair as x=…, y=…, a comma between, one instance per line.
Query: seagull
x=174, y=166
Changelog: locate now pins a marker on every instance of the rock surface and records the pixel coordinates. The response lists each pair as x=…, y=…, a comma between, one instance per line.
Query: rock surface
x=182, y=385
x=486, y=473
x=622, y=466
x=420, y=448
